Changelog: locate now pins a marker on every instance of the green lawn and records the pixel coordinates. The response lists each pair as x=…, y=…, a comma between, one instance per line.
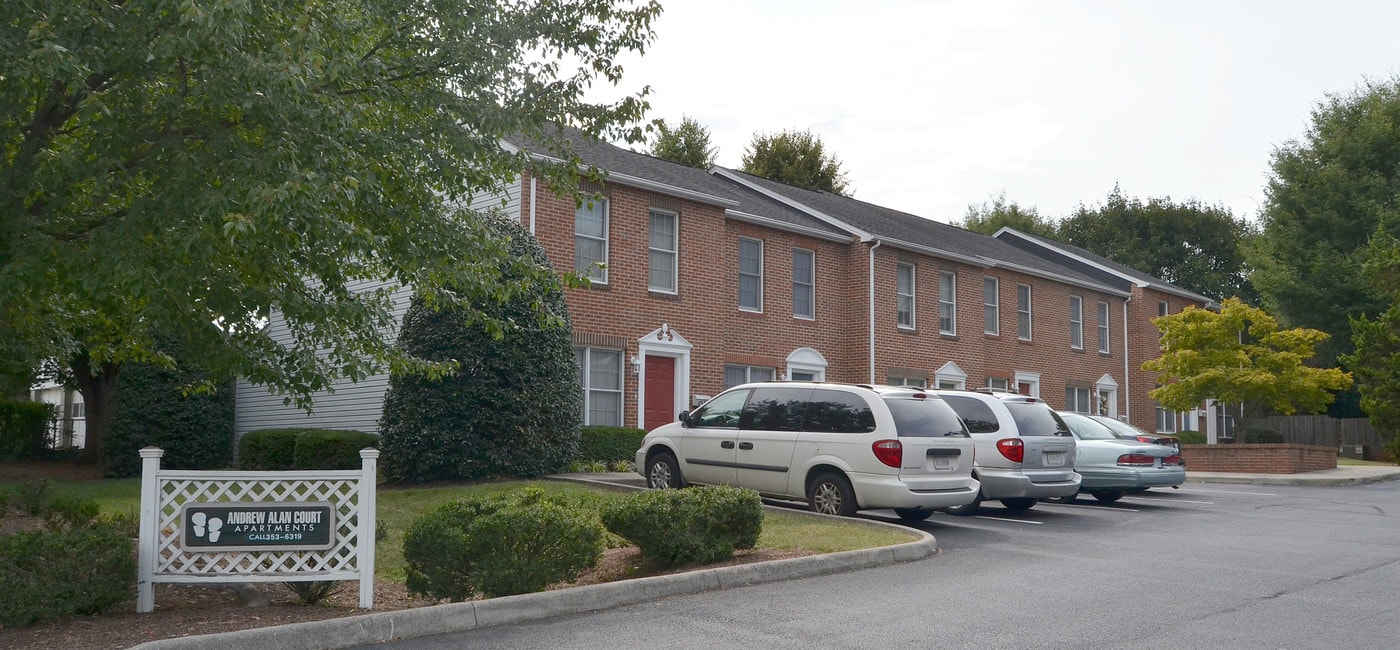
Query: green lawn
x=1341, y=462
x=399, y=507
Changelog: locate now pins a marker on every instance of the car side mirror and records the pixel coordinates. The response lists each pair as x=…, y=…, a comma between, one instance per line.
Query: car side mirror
x=684, y=417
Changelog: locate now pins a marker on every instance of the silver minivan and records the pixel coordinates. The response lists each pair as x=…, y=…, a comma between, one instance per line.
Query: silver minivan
x=839, y=447
x=1024, y=450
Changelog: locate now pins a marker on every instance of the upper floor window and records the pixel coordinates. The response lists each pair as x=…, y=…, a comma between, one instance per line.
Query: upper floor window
x=991, y=306
x=947, y=303
x=1103, y=327
x=750, y=274
x=1076, y=322
x=1023, y=312
x=662, y=246
x=804, y=283
x=904, y=291
x=1163, y=308
x=591, y=239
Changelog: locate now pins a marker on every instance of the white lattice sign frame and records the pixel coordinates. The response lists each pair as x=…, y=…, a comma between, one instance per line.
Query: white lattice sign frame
x=166, y=494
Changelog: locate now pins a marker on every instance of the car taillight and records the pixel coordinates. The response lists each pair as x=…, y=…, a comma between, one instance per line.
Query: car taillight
x=1136, y=460
x=1171, y=460
x=890, y=452
x=1012, y=449
x=1144, y=439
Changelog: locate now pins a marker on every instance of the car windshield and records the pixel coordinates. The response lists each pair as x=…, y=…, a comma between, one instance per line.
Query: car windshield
x=1087, y=429
x=1123, y=430
x=924, y=418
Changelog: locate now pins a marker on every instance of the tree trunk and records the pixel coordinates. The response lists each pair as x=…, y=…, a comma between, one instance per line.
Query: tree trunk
x=97, y=386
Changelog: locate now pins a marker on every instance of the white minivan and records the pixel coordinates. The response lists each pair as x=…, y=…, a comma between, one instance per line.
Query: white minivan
x=839, y=447
x=1024, y=450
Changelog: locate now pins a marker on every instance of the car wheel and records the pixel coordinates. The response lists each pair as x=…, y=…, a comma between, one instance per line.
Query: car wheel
x=831, y=494
x=967, y=510
x=1067, y=499
x=663, y=472
x=1109, y=497
x=1018, y=505
x=913, y=514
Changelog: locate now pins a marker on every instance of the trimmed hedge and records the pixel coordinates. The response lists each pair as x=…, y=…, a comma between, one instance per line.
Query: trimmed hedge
x=609, y=444
x=51, y=573
x=284, y=449
x=1191, y=437
x=500, y=545
x=153, y=407
x=22, y=427
x=690, y=526
x=1257, y=435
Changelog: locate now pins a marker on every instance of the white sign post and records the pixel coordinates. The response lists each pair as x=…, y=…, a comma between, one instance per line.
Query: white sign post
x=218, y=527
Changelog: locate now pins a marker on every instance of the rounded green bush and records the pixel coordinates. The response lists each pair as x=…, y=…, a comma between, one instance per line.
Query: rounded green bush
x=57, y=572
x=692, y=526
x=500, y=545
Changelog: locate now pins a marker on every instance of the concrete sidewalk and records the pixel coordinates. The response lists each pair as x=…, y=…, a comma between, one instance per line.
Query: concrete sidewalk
x=457, y=617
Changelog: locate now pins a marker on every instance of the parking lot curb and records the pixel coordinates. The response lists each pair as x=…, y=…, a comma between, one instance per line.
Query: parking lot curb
x=379, y=627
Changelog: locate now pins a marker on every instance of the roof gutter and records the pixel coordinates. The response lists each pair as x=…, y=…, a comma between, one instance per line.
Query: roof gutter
x=872, y=310
x=1127, y=381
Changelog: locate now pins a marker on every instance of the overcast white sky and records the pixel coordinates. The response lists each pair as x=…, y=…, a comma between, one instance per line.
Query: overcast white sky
x=932, y=106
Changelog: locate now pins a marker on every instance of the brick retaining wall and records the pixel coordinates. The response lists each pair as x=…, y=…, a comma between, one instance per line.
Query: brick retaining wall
x=1258, y=458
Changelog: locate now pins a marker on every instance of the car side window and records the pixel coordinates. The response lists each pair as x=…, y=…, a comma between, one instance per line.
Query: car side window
x=974, y=412
x=834, y=411
x=776, y=409
x=722, y=411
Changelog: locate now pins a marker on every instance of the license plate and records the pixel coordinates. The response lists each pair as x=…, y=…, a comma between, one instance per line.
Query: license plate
x=942, y=463
x=1054, y=459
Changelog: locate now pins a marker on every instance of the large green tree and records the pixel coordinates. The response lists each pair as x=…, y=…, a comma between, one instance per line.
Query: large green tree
x=797, y=158
x=687, y=143
x=998, y=212
x=188, y=167
x=1329, y=192
x=1190, y=244
x=1240, y=354
x=1376, y=359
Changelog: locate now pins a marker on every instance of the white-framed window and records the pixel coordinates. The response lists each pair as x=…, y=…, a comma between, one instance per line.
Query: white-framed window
x=904, y=291
x=750, y=274
x=662, y=249
x=1080, y=400
x=1103, y=327
x=997, y=383
x=600, y=375
x=1076, y=322
x=78, y=409
x=991, y=306
x=947, y=303
x=1163, y=308
x=735, y=375
x=1023, y=312
x=591, y=239
x=1166, y=420
x=916, y=382
x=804, y=283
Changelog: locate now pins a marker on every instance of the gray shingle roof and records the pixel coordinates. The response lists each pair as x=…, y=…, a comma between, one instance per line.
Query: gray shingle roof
x=1088, y=260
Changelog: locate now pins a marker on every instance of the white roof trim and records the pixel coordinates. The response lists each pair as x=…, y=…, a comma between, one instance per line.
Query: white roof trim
x=720, y=171
x=783, y=225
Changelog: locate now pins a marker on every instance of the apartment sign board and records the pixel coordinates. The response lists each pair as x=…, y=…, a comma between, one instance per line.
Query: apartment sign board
x=258, y=526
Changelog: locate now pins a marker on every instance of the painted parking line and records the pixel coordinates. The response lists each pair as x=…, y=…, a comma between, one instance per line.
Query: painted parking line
x=1253, y=494
x=1016, y=521
x=1162, y=500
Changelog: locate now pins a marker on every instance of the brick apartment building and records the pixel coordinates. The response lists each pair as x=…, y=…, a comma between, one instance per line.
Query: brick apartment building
x=706, y=279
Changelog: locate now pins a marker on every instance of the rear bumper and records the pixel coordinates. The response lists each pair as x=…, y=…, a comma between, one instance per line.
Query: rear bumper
x=875, y=491
x=1128, y=478
x=1012, y=484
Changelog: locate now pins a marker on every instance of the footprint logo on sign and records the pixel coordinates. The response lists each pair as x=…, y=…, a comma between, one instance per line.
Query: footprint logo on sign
x=214, y=526
x=198, y=519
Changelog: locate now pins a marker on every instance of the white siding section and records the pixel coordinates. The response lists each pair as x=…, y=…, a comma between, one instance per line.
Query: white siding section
x=352, y=405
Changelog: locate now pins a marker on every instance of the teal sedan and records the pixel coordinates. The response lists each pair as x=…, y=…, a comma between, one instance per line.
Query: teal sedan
x=1112, y=466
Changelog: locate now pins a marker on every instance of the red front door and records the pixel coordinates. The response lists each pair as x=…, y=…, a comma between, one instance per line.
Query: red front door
x=660, y=407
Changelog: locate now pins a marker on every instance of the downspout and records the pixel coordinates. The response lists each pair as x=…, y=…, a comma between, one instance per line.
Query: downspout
x=1127, y=348
x=872, y=310
x=532, y=203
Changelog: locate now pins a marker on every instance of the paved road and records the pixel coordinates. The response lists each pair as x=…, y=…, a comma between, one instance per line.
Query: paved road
x=1219, y=566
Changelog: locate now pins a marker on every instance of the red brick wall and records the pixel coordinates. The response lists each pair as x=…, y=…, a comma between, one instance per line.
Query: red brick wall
x=1260, y=459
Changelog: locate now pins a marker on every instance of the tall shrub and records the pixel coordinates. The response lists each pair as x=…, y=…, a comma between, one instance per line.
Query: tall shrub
x=22, y=428
x=157, y=406
x=514, y=406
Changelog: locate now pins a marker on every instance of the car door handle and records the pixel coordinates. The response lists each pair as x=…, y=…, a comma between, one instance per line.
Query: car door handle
x=727, y=444
x=746, y=445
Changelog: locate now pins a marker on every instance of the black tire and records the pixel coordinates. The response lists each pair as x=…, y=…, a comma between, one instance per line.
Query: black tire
x=1018, y=505
x=913, y=514
x=966, y=510
x=664, y=472
x=831, y=494
x=1109, y=496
